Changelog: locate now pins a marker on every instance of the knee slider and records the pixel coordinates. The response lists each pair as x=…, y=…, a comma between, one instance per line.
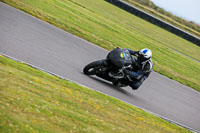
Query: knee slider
x=135, y=85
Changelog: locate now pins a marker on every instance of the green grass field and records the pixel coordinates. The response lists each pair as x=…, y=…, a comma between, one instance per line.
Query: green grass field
x=108, y=26
x=33, y=101
x=36, y=102
x=166, y=16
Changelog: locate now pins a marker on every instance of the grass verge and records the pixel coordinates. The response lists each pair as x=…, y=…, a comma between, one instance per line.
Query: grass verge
x=108, y=26
x=166, y=16
x=34, y=101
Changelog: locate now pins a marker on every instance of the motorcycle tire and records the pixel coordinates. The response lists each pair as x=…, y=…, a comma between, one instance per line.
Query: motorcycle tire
x=91, y=68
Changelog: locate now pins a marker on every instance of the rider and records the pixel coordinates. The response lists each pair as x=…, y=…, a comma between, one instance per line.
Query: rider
x=142, y=67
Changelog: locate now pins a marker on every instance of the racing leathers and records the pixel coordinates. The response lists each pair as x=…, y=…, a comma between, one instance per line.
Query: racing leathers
x=140, y=71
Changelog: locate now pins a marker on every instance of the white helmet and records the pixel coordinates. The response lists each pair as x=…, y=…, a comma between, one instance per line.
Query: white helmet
x=144, y=55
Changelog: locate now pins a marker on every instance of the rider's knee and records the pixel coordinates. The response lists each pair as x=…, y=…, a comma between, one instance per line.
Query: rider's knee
x=135, y=85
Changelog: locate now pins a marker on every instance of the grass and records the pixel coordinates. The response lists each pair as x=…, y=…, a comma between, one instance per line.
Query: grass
x=34, y=101
x=151, y=8
x=108, y=26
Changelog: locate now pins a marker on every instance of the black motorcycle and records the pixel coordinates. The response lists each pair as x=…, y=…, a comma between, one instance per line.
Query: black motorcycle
x=112, y=68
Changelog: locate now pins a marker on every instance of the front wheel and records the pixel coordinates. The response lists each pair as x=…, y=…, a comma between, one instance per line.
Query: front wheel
x=93, y=67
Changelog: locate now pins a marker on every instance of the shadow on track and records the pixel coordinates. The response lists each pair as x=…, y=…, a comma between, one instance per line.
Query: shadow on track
x=126, y=93
x=109, y=84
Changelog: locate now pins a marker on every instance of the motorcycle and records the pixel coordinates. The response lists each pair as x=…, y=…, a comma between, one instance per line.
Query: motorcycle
x=112, y=68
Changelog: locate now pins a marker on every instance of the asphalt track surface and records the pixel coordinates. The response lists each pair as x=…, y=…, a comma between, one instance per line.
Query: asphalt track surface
x=36, y=42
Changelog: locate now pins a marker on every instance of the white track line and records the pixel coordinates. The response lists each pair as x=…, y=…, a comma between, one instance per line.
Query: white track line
x=51, y=73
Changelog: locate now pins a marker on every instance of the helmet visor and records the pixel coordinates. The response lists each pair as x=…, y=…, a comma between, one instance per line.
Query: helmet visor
x=141, y=58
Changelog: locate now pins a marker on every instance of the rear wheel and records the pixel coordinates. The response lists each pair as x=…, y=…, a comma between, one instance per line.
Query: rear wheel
x=93, y=67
